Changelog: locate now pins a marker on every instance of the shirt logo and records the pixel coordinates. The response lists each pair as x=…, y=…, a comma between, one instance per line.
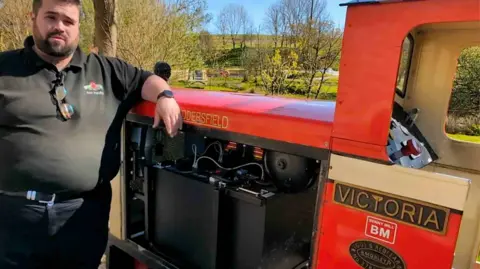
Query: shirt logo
x=94, y=88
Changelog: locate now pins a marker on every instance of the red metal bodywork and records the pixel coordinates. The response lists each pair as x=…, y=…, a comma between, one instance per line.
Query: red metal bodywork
x=419, y=248
x=290, y=120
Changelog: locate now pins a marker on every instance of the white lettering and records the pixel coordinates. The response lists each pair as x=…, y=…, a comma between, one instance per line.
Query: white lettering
x=384, y=233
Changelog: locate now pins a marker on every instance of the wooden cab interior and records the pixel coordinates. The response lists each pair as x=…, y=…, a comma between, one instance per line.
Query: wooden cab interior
x=426, y=84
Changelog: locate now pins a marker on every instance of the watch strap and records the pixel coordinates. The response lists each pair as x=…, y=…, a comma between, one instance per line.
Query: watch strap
x=165, y=93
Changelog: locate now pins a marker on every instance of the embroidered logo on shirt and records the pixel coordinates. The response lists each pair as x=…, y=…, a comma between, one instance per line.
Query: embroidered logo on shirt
x=93, y=88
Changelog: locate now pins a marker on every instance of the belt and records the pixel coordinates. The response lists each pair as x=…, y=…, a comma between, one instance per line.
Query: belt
x=43, y=198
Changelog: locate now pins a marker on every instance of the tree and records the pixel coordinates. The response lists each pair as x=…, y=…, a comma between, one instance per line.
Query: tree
x=276, y=68
x=295, y=13
x=247, y=29
x=274, y=22
x=87, y=27
x=206, y=46
x=15, y=23
x=221, y=24
x=250, y=33
x=330, y=55
x=286, y=19
x=106, y=27
x=320, y=50
x=152, y=31
x=233, y=20
x=315, y=38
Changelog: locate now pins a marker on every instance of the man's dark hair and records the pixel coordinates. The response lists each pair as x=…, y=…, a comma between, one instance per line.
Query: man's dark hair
x=37, y=4
x=163, y=70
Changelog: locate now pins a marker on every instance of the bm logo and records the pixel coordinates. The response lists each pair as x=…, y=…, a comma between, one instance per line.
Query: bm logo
x=382, y=230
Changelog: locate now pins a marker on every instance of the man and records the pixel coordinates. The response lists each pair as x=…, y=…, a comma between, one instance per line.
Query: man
x=61, y=114
x=163, y=70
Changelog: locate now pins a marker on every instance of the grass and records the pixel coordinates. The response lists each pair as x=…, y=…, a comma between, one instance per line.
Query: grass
x=236, y=84
x=263, y=40
x=466, y=138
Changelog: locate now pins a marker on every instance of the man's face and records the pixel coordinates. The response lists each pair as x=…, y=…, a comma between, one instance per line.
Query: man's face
x=56, y=29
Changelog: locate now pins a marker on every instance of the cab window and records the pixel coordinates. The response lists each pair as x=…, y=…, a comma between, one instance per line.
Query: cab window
x=463, y=118
x=404, y=66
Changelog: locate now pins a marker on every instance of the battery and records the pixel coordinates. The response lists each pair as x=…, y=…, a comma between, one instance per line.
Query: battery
x=210, y=227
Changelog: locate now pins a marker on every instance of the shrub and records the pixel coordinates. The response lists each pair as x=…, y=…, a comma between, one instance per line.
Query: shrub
x=296, y=87
x=465, y=100
x=468, y=125
x=475, y=129
x=327, y=96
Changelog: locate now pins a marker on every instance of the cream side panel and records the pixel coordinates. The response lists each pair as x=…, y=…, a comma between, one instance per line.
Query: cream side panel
x=117, y=204
x=421, y=185
x=468, y=243
x=437, y=49
x=115, y=223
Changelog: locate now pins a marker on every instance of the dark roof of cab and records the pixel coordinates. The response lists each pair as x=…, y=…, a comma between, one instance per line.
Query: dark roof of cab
x=360, y=2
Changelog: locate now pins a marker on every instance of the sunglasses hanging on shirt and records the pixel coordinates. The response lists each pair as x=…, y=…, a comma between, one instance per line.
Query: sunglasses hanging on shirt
x=59, y=93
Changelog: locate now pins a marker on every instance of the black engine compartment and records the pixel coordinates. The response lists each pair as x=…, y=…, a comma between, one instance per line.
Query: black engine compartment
x=220, y=161
x=200, y=201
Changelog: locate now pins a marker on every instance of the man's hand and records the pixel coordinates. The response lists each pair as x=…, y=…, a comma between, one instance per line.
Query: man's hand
x=168, y=110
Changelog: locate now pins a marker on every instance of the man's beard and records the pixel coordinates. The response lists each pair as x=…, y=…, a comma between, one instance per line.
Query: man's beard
x=51, y=49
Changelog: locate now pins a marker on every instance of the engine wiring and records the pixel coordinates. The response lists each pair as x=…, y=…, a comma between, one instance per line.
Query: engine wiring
x=219, y=150
x=233, y=168
x=195, y=162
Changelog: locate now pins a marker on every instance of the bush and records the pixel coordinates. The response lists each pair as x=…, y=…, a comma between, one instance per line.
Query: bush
x=475, y=129
x=295, y=87
x=465, y=100
x=327, y=96
x=469, y=125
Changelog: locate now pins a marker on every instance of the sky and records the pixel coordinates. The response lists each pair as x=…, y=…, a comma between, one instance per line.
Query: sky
x=257, y=9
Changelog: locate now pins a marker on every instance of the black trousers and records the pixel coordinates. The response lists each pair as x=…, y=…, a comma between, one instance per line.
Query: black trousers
x=71, y=234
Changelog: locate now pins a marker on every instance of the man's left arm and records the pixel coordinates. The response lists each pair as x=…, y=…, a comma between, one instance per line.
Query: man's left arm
x=134, y=84
x=167, y=108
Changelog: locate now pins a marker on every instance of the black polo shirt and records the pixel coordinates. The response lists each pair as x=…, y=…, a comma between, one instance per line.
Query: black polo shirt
x=40, y=152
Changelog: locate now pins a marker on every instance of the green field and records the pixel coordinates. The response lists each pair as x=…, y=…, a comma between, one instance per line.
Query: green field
x=250, y=41
x=466, y=138
x=296, y=87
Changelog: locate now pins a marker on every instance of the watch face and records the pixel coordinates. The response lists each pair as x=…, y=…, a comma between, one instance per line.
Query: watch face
x=165, y=93
x=168, y=93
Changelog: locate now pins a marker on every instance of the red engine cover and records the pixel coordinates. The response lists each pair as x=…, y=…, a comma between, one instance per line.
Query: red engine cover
x=289, y=120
